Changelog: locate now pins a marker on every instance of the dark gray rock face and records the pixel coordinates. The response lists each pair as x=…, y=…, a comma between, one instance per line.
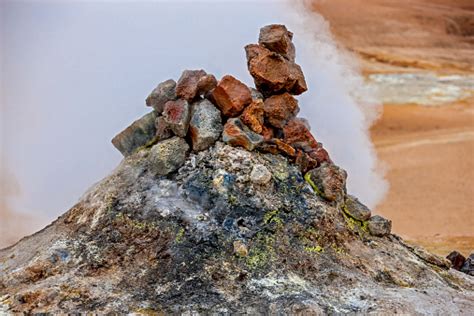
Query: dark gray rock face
x=138, y=134
x=457, y=260
x=379, y=226
x=356, y=209
x=164, y=92
x=205, y=127
x=208, y=239
x=168, y=155
x=468, y=266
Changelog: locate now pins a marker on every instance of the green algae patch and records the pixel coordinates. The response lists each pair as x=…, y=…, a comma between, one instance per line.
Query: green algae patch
x=353, y=224
x=272, y=217
x=179, y=236
x=314, y=249
x=307, y=177
x=262, y=252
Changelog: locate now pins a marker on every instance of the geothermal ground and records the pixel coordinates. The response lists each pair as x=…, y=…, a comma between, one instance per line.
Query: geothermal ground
x=419, y=55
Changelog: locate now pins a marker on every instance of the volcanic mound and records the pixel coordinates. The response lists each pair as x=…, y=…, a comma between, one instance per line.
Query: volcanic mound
x=226, y=203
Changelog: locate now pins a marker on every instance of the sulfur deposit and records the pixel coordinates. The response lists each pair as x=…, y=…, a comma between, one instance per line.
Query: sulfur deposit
x=226, y=203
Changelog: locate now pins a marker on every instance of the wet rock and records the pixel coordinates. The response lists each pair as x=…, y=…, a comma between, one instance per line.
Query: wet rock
x=206, y=84
x=260, y=174
x=277, y=38
x=253, y=116
x=279, y=109
x=304, y=161
x=297, y=134
x=256, y=95
x=379, y=226
x=457, y=260
x=164, y=92
x=163, y=131
x=188, y=84
x=231, y=96
x=168, y=155
x=237, y=134
x=329, y=181
x=177, y=115
x=138, y=134
x=356, y=209
x=205, y=126
x=468, y=266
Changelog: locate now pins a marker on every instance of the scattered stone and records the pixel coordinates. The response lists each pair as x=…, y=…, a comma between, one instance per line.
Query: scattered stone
x=297, y=134
x=356, y=209
x=188, y=84
x=164, y=92
x=231, y=96
x=206, y=84
x=237, y=134
x=279, y=109
x=468, y=266
x=284, y=147
x=277, y=38
x=329, y=181
x=256, y=95
x=260, y=174
x=138, y=134
x=163, y=131
x=379, y=226
x=304, y=161
x=457, y=260
x=168, y=155
x=205, y=126
x=177, y=115
x=240, y=249
x=253, y=116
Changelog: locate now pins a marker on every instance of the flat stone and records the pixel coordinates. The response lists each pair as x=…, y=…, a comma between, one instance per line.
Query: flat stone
x=356, y=209
x=205, y=126
x=457, y=260
x=187, y=87
x=379, y=226
x=231, y=96
x=168, y=155
x=279, y=109
x=330, y=181
x=138, y=134
x=253, y=116
x=164, y=92
x=177, y=115
x=238, y=134
x=278, y=39
x=163, y=131
x=260, y=174
x=297, y=134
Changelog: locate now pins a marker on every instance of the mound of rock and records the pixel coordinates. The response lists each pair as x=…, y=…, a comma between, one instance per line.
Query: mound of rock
x=225, y=203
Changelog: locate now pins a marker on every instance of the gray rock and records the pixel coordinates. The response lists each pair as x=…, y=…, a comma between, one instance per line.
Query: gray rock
x=205, y=126
x=177, y=114
x=379, y=226
x=164, y=92
x=168, y=155
x=468, y=266
x=329, y=181
x=256, y=95
x=356, y=209
x=138, y=134
x=260, y=174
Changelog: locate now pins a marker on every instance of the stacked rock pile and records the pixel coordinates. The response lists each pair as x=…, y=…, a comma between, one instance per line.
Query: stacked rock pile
x=198, y=110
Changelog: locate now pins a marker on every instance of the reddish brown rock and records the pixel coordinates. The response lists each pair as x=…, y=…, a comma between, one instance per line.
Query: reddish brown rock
x=296, y=83
x=237, y=134
x=188, y=84
x=320, y=155
x=206, y=84
x=304, y=161
x=253, y=116
x=269, y=148
x=297, y=134
x=177, y=116
x=277, y=38
x=284, y=147
x=279, y=109
x=329, y=181
x=267, y=133
x=231, y=96
x=163, y=131
x=457, y=260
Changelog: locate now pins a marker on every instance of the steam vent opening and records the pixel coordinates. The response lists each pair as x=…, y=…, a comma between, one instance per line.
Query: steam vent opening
x=225, y=203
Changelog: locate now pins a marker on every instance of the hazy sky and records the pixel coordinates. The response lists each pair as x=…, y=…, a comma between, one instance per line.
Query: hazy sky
x=76, y=73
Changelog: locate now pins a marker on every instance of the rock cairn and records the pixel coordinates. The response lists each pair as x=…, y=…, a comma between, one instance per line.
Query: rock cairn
x=197, y=110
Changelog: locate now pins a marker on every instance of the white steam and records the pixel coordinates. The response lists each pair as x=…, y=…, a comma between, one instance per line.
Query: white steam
x=76, y=73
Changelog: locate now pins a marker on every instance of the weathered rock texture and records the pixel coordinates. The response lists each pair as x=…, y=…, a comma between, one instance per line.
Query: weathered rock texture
x=255, y=219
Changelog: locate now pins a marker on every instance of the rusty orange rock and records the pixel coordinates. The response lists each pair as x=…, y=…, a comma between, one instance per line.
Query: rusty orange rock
x=253, y=116
x=187, y=87
x=237, y=134
x=279, y=109
x=277, y=38
x=284, y=147
x=231, y=96
x=297, y=134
